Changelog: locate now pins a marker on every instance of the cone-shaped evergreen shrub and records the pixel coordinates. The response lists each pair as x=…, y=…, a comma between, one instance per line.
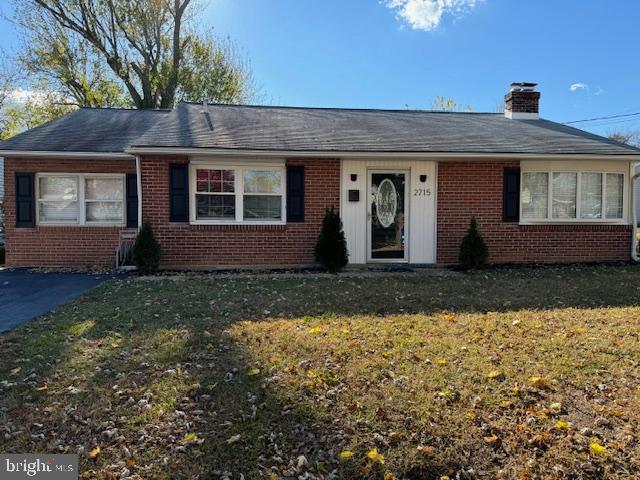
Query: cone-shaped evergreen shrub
x=146, y=251
x=473, y=251
x=331, y=248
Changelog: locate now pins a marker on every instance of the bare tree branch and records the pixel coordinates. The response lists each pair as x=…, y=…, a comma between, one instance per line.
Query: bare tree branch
x=147, y=47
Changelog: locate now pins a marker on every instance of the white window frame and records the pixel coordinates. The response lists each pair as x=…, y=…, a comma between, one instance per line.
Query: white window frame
x=578, y=171
x=239, y=169
x=82, y=209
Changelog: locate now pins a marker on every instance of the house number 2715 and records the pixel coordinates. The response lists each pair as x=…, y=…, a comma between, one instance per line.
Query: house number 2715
x=421, y=192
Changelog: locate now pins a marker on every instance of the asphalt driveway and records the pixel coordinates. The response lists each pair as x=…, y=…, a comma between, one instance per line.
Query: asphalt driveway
x=25, y=295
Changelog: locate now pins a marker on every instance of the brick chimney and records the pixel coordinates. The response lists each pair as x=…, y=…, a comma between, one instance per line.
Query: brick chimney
x=522, y=102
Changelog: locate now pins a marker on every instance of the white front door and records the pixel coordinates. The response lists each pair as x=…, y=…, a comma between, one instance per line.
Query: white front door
x=388, y=216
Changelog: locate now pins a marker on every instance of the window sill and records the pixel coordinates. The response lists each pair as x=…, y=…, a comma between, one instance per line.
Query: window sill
x=237, y=226
x=575, y=222
x=81, y=225
x=573, y=227
x=233, y=223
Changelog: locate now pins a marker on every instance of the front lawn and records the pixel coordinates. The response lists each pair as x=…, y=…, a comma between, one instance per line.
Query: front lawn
x=511, y=374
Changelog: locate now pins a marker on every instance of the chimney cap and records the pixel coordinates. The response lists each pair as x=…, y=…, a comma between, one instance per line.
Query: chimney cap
x=523, y=86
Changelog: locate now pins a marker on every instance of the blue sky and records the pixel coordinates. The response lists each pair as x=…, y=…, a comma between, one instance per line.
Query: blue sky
x=399, y=53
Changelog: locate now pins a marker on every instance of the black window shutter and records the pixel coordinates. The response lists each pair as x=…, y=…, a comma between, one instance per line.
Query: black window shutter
x=178, y=193
x=132, y=200
x=295, y=193
x=25, y=200
x=511, y=196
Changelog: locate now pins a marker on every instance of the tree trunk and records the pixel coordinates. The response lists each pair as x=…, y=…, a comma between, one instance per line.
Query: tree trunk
x=169, y=95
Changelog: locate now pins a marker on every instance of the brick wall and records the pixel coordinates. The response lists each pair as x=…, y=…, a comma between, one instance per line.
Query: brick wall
x=522, y=101
x=475, y=188
x=464, y=189
x=54, y=246
x=185, y=245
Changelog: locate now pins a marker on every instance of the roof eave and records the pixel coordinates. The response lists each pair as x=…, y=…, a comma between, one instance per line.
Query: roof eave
x=61, y=155
x=148, y=150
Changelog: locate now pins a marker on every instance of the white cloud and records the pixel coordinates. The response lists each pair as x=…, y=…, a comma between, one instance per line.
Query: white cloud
x=427, y=14
x=21, y=95
x=579, y=86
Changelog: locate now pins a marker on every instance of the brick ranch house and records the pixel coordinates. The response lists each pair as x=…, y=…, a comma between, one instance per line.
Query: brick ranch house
x=228, y=185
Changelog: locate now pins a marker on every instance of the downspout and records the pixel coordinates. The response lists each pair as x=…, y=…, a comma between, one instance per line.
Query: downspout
x=139, y=187
x=634, y=216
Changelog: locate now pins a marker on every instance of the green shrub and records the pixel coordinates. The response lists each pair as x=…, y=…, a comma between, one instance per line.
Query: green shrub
x=331, y=247
x=146, y=251
x=473, y=251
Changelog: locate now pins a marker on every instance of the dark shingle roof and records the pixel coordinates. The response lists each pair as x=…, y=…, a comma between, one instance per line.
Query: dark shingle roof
x=294, y=129
x=330, y=129
x=101, y=130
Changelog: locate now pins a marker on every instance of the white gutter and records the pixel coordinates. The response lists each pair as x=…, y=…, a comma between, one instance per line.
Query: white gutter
x=354, y=154
x=634, y=216
x=139, y=188
x=79, y=155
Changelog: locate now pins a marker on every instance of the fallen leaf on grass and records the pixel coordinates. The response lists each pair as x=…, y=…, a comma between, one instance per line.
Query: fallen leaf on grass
x=538, y=382
x=425, y=449
x=561, y=425
x=491, y=439
x=598, y=449
x=189, y=438
x=540, y=439
x=389, y=476
x=253, y=372
x=42, y=388
x=555, y=407
x=315, y=330
x=94, y=453
x=495, y=375
x=234, y=439
x=346, y=455
x=375, y=456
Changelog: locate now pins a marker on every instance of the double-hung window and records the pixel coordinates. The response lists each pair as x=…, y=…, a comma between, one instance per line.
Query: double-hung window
x=262, y=199
x=58, y=199
x=86, y=199
x=238, y=194
x=215, y=194
x=104, y=199
x=572, y=196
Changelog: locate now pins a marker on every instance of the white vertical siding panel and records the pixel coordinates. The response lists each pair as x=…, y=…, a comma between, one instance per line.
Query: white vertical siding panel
x=354, y=214
x=422, y=218
x=421, y=208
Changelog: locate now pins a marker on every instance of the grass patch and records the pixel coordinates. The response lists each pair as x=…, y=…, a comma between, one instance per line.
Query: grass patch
x=514, y=373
